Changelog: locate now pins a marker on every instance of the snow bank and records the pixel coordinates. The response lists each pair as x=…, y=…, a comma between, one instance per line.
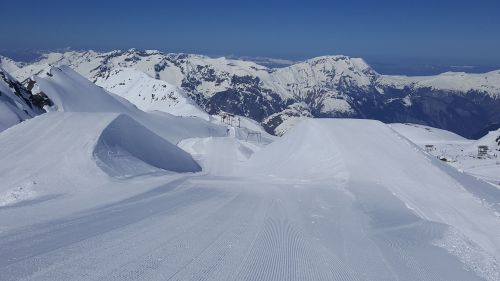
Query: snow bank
x=127, y=148
x=71, y=153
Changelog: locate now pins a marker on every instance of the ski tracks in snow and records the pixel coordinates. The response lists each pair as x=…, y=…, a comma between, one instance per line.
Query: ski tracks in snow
x=221, y=228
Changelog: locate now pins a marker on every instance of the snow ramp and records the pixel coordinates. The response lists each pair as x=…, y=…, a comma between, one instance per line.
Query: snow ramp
x=367, y=158
x=127, y=148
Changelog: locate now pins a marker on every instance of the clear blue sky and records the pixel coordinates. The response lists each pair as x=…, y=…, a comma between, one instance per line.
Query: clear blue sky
x=449, y=31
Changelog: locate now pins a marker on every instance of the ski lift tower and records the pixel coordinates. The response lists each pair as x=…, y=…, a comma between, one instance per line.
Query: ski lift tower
x=227, y=118
x=429, y=148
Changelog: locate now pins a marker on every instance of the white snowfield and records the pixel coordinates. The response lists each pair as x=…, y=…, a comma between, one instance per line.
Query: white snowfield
x=331, y=200
x=72, y=153
x=101, y=190
x=457, y=151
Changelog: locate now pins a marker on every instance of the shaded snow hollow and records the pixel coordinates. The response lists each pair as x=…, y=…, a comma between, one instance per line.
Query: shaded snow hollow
x=126, y=148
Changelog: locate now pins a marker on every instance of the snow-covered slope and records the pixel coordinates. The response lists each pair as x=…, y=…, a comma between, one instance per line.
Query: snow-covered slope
x=422, y=135
x=16, y=102
x=60, y=153
x=492, y=140
x=459, y=152
x=459, y=82
x=332, y=199
x=70, y=92
x=150, y=94
x=9, y=65
x=219, y=156
x=369, y=159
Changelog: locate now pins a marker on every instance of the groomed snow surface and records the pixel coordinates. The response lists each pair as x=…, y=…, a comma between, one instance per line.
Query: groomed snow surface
x=331, y=200
x=101, y=190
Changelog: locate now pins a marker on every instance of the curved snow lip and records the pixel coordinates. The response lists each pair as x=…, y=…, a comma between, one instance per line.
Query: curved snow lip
x=127, y=149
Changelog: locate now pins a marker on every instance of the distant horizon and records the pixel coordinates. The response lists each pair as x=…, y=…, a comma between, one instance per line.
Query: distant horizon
x=445, y=32
x=385, y=66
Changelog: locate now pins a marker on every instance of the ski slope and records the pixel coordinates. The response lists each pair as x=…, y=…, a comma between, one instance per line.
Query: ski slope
x=457, y=151
x=75, y=155
x=331, y=200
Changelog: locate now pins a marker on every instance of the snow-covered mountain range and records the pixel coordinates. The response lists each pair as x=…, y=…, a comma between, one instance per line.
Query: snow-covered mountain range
x=328, y=86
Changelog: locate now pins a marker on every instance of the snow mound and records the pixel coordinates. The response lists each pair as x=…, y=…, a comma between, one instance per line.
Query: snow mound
x=127, y=148
x=67, y=153
x=305, y=152
x=368, y=157
x=219, y=156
